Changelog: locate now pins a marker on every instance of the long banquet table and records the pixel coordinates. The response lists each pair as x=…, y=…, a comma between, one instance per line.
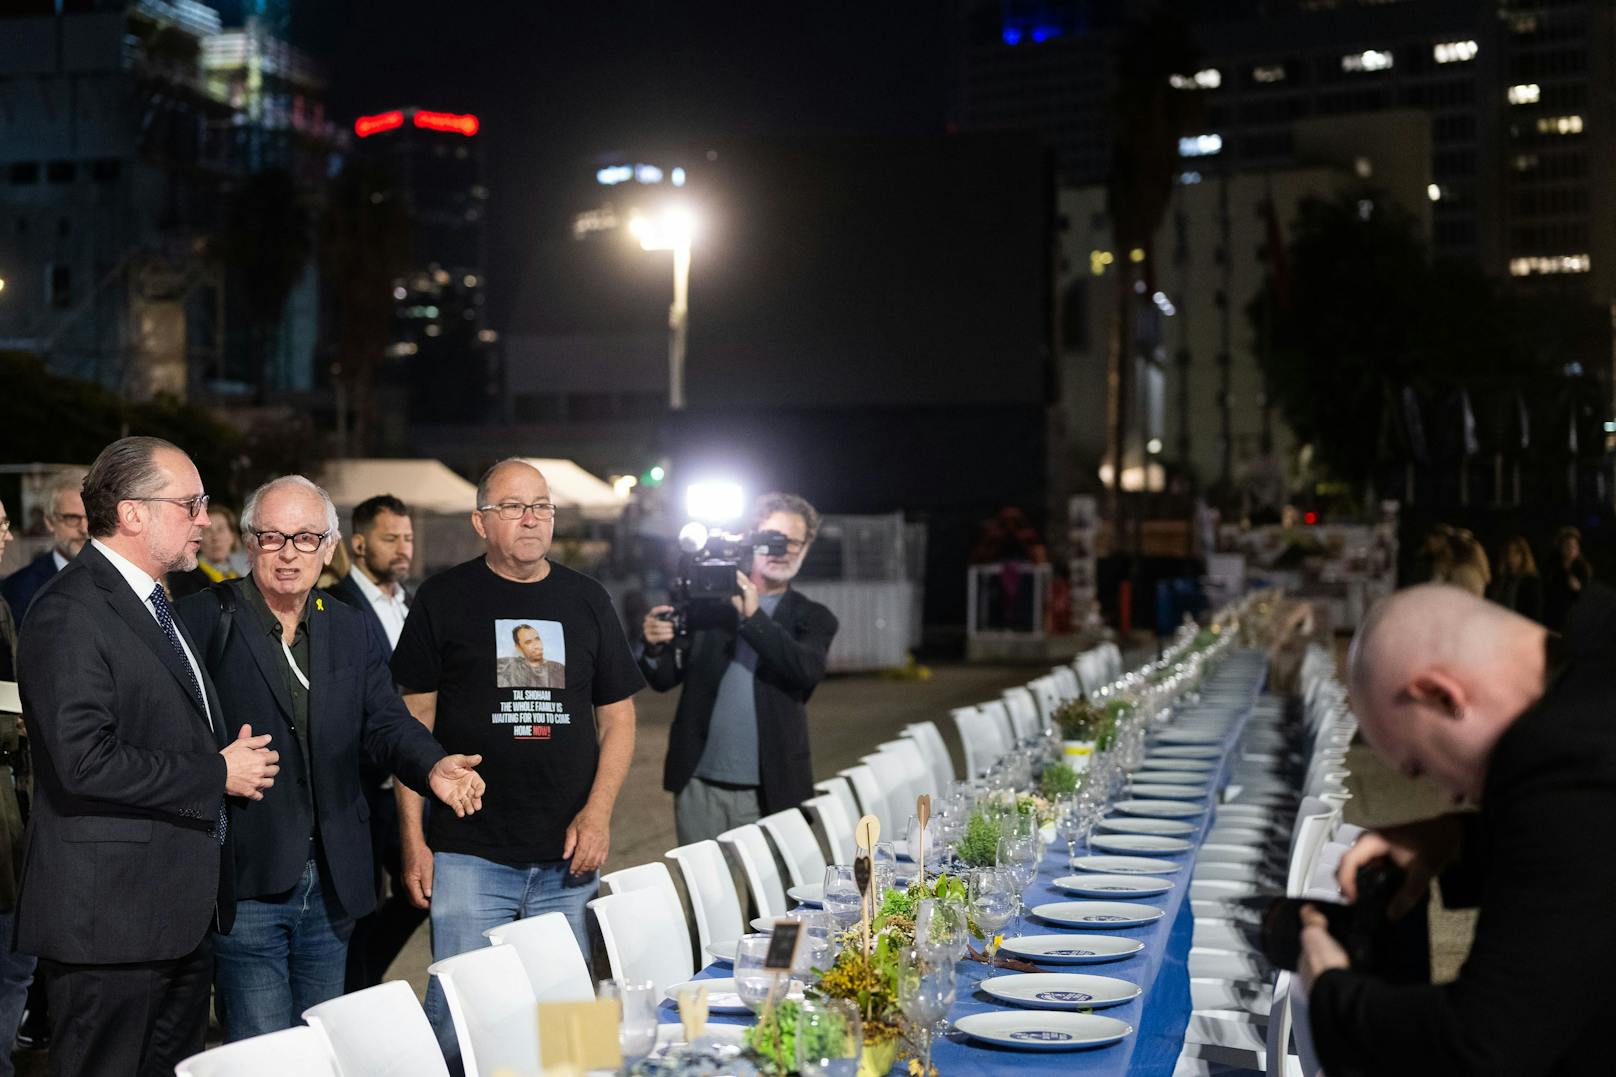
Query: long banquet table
x=1161, y=1014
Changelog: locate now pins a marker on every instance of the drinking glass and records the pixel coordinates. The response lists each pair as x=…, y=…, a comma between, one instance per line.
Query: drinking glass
x=818, y=947
x=637, y=1026
x=926, y=989
x=992, y=901
x=755, y=985
x=841, y=898
x=883, y=868
x=830, y=1038
x=1017, y=858
x=948, y=933
x=1069, y=826
x=913, y=835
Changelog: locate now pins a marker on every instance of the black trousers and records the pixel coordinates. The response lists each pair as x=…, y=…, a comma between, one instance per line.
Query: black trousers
x=135, y=1020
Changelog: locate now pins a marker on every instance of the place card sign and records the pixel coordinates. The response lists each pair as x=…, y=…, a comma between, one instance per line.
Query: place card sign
x=781, y=955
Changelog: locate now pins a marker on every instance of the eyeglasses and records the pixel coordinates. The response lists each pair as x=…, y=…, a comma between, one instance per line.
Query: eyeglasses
x=302, y=542
x=794, y=545
x=194, y=506
x=71, y=519
x=515, y=510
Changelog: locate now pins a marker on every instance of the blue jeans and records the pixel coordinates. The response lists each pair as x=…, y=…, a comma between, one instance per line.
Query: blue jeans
x=283, y=955
x=471, y=895
x=16, y=973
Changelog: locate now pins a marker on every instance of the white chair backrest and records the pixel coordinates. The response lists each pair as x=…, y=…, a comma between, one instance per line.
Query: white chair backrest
x=549, y=951
x=635, y=928
x=980, y=736
x=916, y=769
x=892, y=775
x=714, y=901
x=871, y=800
x=805, y=861
x=998, y=713
x=1278, y=1032
x=1311, y=832
x=381, y=1031
x=299, y=1050
x=751, y=848
x=836, y=826
x=1047, y=694
x=1066, y=682
x=840, y=788
x=930, y=739
x=493, y=1009
x=1113, y=660
x=1022, y=709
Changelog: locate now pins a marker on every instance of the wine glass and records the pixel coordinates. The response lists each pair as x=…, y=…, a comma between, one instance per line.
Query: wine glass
x=926, y=989
x=841, y=898
x=830, y=1038
x=637, y=1024
x=992, y=901
x=883, y=869
x=1017, y=858
x=818, y=947
x=1069, y=826
x=756, y=986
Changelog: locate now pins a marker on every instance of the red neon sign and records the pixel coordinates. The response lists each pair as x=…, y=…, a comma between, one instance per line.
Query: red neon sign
x=365, y=126
x=448, y=121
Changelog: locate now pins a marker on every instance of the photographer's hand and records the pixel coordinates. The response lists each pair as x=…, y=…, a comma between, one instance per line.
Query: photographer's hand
x=745, y=603
x=1320, y=951
x=655, y=629
x=1421, y=849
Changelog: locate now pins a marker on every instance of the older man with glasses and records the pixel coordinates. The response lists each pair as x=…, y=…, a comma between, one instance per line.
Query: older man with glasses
x=312, y=673
x=69, y=532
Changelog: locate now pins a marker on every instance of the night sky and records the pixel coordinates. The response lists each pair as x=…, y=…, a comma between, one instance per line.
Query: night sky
x=557, y=84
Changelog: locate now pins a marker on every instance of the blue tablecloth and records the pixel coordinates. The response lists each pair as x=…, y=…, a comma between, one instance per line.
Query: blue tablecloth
x=1162, y=1013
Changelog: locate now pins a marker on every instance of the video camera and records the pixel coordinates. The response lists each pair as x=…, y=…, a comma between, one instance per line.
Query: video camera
x=707, y=568
x=1372, y=940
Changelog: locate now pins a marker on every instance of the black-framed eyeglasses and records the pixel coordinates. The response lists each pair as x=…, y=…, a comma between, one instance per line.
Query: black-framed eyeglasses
x=193, y=506
x=515, y=510
x=302, y=542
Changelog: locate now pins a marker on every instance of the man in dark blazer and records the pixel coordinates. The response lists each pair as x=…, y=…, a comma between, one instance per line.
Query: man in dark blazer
x=311, y=672
x=738, y=749
x=132, y=760
x=69, y=533
x=1496, y=711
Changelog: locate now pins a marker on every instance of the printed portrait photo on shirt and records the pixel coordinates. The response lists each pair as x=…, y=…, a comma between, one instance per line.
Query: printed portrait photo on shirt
x=530, y=654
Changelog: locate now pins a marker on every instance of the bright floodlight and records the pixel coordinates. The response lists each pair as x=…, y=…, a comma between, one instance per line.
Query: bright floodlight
x=692, y=537
x=671, y=229
x=714, y=502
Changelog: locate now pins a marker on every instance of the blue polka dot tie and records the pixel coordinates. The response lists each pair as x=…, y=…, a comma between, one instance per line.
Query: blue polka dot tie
x=165, y=618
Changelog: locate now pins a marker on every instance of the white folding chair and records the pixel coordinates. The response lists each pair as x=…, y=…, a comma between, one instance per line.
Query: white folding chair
x=751, y=848
x=1113, y=660
x=714, y=901
x=493, y=1009
x=916, y=771
x=981, y=738
x=549, y=951
x=635, y=928
x=930, y=739
x=381, y=1031
x=871, y=800
x=835, y=825
x=840, y=788
x=300, y=1050
x=1047, y=695
x=997, y=712
x=792, y=835
x=1023, y=712
x=897, y=790
x=1066, y=682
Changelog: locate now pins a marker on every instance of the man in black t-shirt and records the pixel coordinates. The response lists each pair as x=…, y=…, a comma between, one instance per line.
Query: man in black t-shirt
x=554, y=757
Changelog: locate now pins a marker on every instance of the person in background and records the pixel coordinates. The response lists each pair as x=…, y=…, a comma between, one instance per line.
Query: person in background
x=1566, y=578
x=382, y=546
x=1517, y=586
x=216, y=560
x=337, y=571
x=69, y=533
x=16, y=970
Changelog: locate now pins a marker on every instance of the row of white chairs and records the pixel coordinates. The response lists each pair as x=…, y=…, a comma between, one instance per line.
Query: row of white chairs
x=988, y=730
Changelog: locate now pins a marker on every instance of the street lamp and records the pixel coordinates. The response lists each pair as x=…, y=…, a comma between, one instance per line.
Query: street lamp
x=672, y=231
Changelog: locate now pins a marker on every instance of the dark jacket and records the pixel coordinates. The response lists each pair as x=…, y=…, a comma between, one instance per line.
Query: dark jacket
x=349, y=593
x=1523, y=594
x=791, y=648
x=1535, y=995
x=19, y=588
x=1558, y=597
x=353, y=709
x=121, y=864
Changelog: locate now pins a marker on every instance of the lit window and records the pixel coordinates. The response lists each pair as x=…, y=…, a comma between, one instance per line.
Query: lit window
x=1208, y=78
x=647, y=174
x=614, y=174
x=1538, y=265
x=678, y=177
x=1559, y=125
x=1433, y=191
x=487, y=336
x=1268, y=73
x=1525, y=162
x=1200, y=145
x=1187, y=178
x=1526, y=93
x=1368, y=60
x=1454, y=52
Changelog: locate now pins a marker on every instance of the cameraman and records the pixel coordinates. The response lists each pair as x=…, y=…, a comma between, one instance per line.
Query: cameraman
x=738, y=748
x=1500, y=713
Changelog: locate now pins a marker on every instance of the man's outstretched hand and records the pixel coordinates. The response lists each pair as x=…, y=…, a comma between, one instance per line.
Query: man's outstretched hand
x=454, y=782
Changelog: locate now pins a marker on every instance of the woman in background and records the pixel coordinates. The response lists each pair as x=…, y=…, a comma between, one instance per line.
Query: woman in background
x=1518, y=586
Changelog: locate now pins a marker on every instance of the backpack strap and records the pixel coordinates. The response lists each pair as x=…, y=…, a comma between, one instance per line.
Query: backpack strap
x=227, y=616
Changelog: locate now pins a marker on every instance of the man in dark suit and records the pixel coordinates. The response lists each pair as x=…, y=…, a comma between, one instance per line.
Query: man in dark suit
x=1501, y=713
x=382, y=541
x=132, y=761
x=311, y=672
x=738, y=749
x=69, y=533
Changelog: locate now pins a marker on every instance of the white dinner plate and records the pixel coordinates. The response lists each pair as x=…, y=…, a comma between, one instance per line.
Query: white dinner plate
x=1220, y=853
x=670, y=1036
x=1161, y=809
x=1169, y=792
x=765, y=924
x=1167, y=777
x=808, y=894
x=1130, y=886
x=723, y=953
x=1102, y=914
x=1140, y=843
x=1188, y=766
x=1070, y=949
x=1139, y=824
x=1192, y=736
x=1186, y=751
x=722, y=996
x=1125, y=865
x=1043, y=1030
x=1236, y=835
x=1060, y=990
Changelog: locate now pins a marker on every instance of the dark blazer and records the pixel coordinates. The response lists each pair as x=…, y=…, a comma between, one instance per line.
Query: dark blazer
x=19, y=588
x=121, y=864
x=1536, y=861
x=353, y=709
x=348, y=591
x=791, y=648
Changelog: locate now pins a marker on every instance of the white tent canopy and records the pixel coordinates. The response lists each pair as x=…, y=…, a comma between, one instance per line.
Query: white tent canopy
x=573, y=487
x=429, y=486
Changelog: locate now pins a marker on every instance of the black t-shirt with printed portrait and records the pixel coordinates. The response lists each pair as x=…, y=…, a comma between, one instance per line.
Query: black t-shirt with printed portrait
x=518, y=669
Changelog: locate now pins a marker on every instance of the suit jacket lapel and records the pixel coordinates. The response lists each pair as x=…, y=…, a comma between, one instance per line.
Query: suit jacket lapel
x=321, y=659
x=139, y=617
x=265, y=652
x=220, y=733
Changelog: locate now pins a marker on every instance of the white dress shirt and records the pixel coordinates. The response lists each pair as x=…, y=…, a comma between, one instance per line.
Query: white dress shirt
x=142, y=585
x=58, y=560
x=392, y=609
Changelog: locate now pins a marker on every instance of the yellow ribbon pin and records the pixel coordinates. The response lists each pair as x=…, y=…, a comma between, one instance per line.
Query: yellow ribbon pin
x=319, y=604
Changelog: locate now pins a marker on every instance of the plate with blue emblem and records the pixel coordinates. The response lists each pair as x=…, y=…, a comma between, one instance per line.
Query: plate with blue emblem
x=1100, y=914
x=1071, y=949
x=1060, y=990
x=1043, y=1030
